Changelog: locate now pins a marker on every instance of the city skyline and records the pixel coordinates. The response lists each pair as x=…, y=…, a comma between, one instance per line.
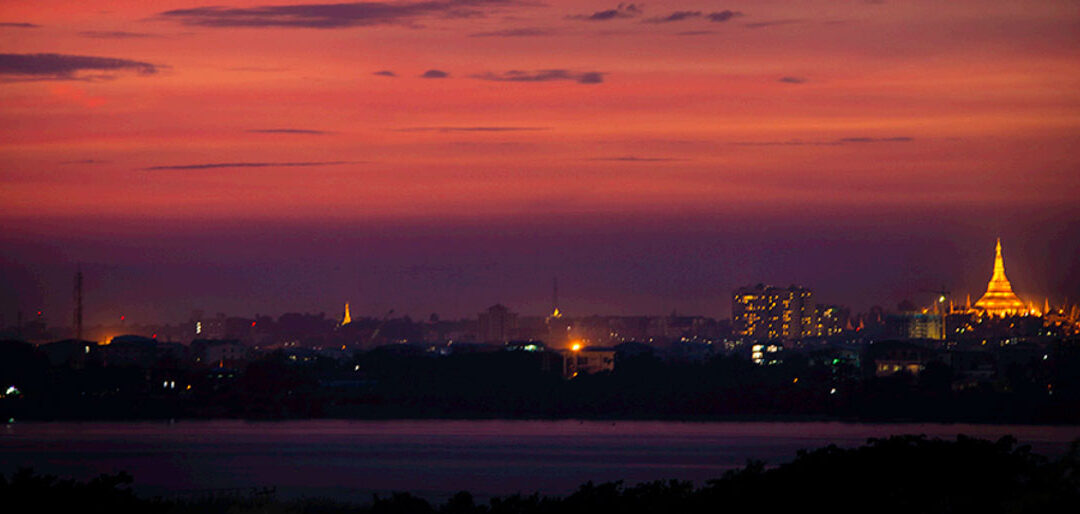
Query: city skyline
x=268, y=156
x=923, y=298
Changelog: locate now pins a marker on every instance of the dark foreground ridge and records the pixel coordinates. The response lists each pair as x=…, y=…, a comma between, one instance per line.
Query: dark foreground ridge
x=901, y=474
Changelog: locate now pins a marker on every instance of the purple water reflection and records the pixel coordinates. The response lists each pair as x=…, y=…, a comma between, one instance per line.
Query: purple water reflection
x=352, y=459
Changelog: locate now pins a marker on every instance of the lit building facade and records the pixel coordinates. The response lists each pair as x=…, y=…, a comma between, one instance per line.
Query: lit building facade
x=766, y=354
x=830, y=320
x=764, y=312
x=915, y=325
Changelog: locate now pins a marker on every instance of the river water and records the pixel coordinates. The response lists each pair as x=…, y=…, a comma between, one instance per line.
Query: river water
x=350, y=460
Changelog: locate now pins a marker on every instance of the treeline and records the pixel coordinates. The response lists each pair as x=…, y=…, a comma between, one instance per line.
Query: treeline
x=901, y=474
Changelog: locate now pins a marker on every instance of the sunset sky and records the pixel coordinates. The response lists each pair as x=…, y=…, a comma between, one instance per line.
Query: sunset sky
x=441, y=156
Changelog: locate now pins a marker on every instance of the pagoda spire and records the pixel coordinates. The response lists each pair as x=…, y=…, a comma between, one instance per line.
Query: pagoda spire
x=1000, y=300
x=347, y=318
x=999, y=265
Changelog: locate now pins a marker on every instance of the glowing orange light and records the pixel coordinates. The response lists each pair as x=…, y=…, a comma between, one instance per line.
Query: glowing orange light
x=575, y=347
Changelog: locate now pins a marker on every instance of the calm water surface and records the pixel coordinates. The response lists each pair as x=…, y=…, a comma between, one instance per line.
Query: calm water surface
x=353, y=459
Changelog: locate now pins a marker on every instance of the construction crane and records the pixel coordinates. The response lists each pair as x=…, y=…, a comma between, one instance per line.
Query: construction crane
x=939, y=305
x=942, y=295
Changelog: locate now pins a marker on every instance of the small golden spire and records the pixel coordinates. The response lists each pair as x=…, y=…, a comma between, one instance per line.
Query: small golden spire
x=347, y=318
x=999, y=264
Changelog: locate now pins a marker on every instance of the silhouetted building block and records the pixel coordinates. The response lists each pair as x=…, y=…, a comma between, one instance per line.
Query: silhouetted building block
x=892, y=357
x=973, y=366
x=218, y=353
x=578, y=361
x=138, y=351
x=497, y=324
x=71, y=353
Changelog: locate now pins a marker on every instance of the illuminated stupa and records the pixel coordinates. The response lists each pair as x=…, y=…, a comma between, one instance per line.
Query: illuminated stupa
x=1000, y=300
x=345, y=320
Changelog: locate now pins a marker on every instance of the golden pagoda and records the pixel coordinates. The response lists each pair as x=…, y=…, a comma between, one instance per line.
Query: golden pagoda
x=347, y=318
x=1000, y=300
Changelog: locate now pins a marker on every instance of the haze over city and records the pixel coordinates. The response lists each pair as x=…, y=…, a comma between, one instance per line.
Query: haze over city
x=446, y=156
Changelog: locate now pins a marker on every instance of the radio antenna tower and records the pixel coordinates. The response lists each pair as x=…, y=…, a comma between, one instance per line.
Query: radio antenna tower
x=78, y=304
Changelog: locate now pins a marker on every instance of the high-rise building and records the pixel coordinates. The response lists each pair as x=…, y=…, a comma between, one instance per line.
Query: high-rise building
x=830, y=320
x=497, y=324
x=764, y=312
x=1000, y=300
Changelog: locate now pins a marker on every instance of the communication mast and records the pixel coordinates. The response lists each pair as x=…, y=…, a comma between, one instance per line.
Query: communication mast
x=78, y=305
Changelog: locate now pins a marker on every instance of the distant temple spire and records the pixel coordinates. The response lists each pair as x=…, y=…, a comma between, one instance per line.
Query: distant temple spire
x=999, y=299
x=347, y=318
x=555, y=313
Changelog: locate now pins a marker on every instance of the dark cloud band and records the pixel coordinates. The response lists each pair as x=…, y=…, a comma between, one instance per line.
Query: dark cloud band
x=833, y=142
x=523, y=32
x=328, y=16
x=116, y=34
x=587, y=77
x=675, y=16
x=473, y=129
x=216, y=165
x=308, y=132
x=66, y=67
x=621, y=11
x=632, y=158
